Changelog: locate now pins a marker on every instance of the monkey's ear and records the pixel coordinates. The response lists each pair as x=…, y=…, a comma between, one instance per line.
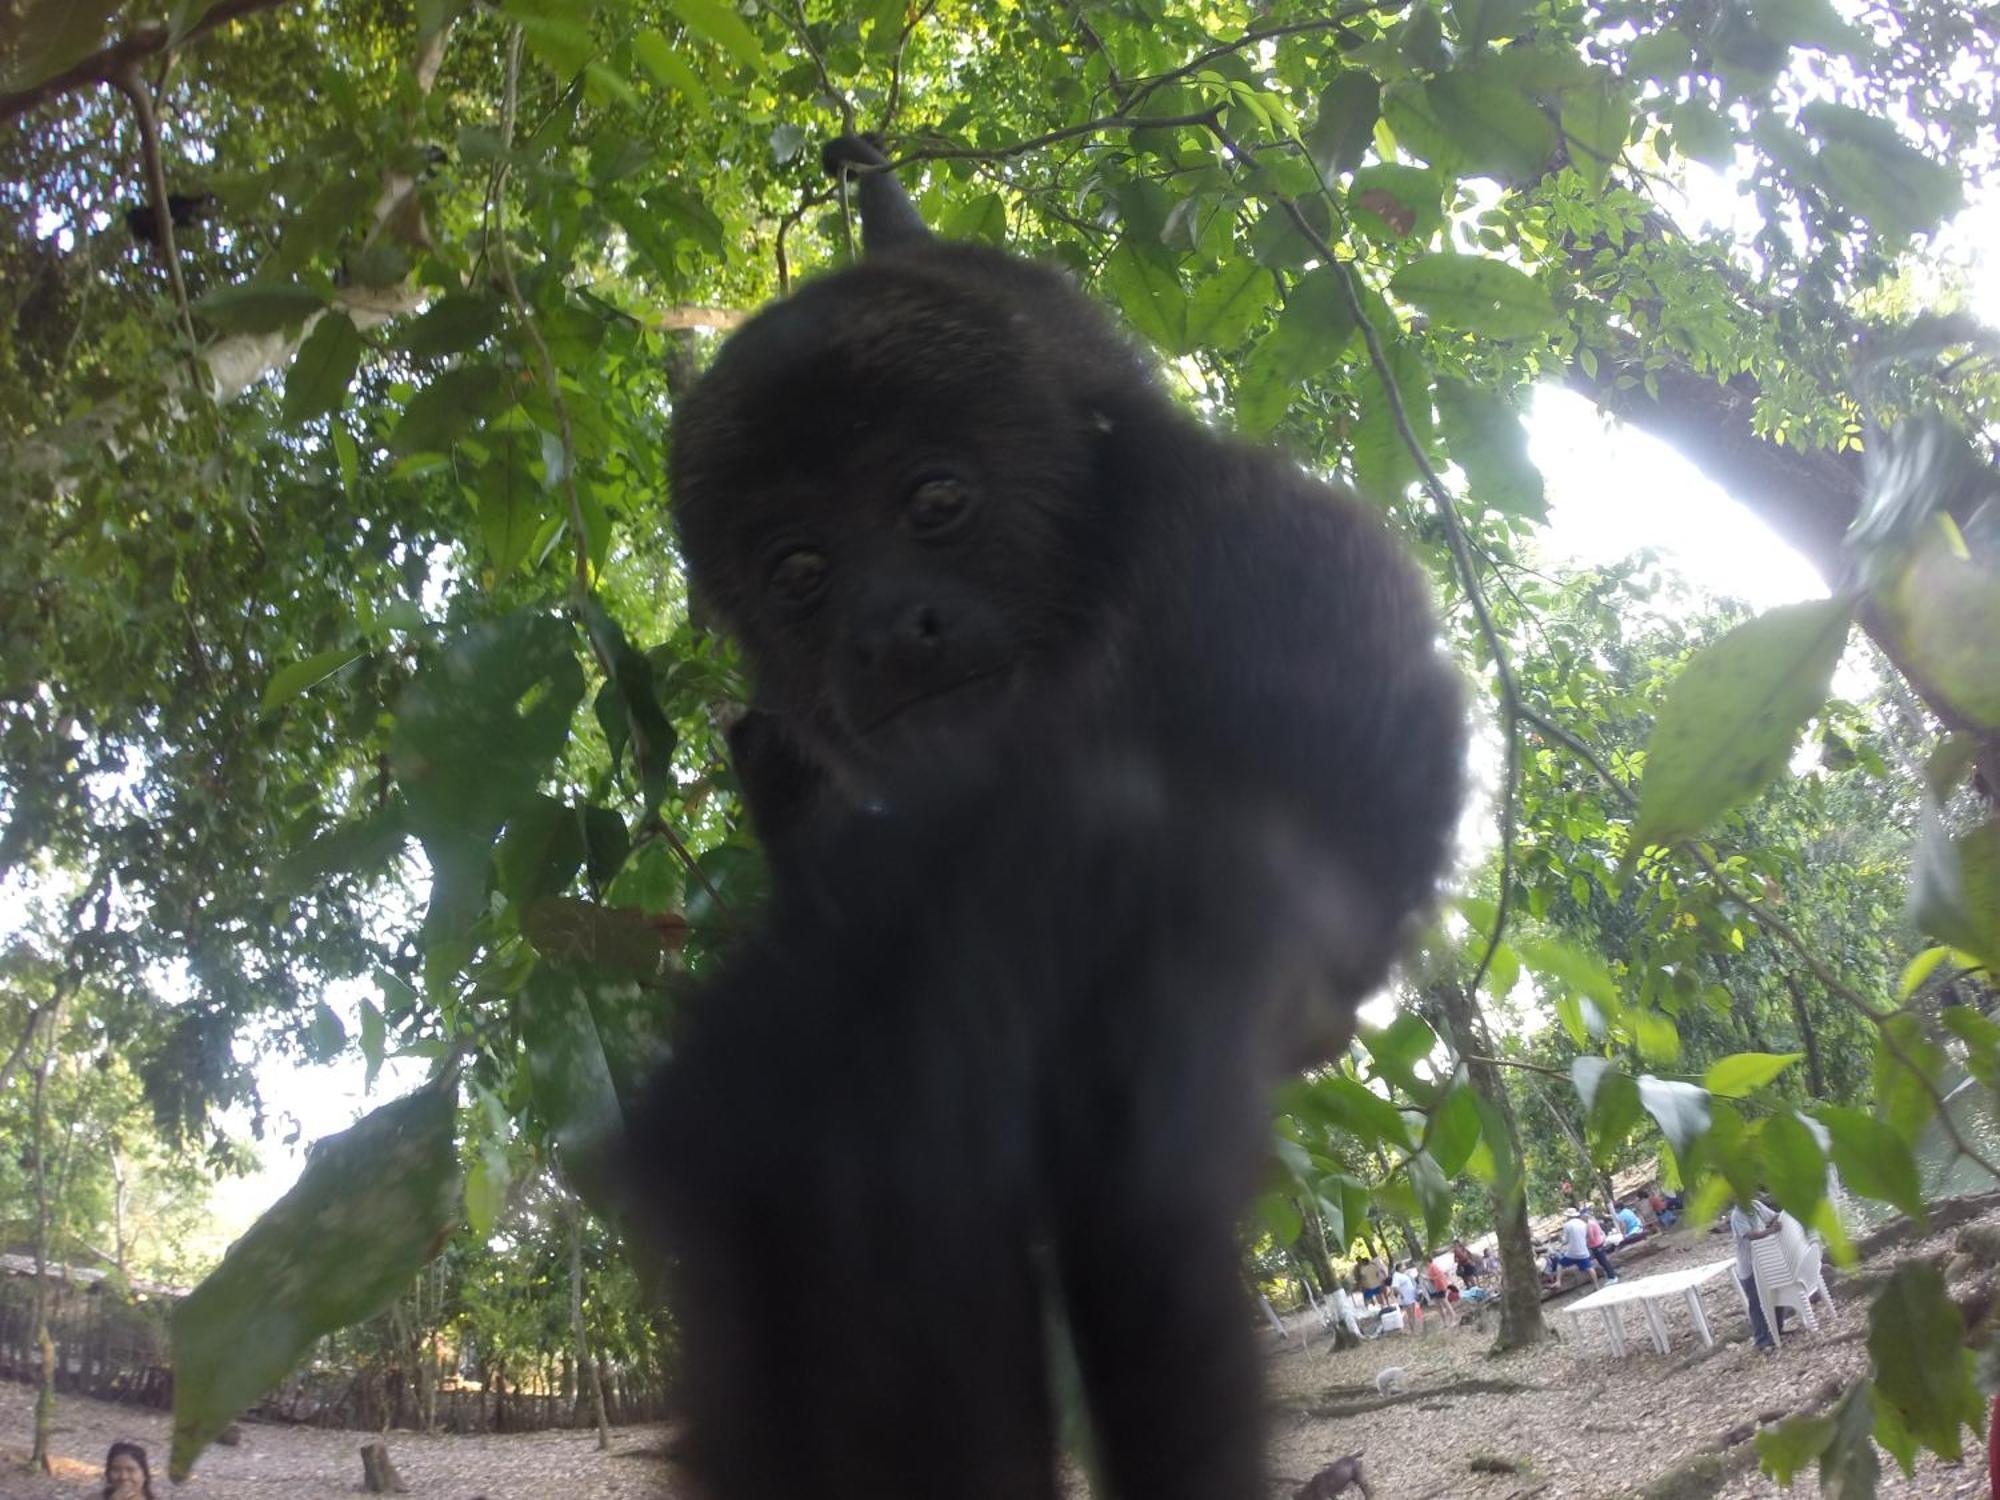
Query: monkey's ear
x=888, y=219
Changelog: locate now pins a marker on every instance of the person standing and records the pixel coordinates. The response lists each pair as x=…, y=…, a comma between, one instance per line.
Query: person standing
x=1406, y=1298
x=1755, y=1222
x=1593, y=1239
x=1369, y=1275
x=1574, y=1252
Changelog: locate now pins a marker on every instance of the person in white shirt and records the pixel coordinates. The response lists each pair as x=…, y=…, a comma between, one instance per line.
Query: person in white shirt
x=1406, y=1296
x=1575, y=1252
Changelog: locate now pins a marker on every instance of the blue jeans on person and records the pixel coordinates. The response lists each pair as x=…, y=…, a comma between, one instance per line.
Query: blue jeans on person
x=1759, y=1329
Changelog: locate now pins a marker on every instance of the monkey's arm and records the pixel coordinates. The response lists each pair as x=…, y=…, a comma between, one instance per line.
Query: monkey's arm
x=783, y=791
x=888, y=218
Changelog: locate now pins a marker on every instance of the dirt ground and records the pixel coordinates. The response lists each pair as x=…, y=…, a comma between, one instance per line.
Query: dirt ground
x=1584, y=1423
x=1589, y=1424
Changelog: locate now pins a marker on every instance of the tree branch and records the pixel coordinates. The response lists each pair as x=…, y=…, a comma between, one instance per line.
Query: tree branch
x=110, y=63
x=134, y=87
x=1251, y=38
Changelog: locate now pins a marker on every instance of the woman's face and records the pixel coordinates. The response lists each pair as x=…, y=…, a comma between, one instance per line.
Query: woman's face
x=123, y=1475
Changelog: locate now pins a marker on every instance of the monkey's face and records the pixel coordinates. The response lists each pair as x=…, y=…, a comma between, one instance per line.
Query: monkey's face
x=884, y=490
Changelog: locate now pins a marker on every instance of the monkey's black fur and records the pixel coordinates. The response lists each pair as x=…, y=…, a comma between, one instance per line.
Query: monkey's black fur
x=1103, y=762
x=184, y=209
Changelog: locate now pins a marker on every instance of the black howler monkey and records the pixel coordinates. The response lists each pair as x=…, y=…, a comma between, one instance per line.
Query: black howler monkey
x=1104, y=762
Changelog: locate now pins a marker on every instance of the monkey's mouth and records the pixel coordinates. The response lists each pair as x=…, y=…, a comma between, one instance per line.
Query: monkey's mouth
x=940, y=708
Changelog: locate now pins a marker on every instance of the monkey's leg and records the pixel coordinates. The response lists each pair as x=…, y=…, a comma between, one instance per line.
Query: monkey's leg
x=848, y=1190
x=1162, y=1131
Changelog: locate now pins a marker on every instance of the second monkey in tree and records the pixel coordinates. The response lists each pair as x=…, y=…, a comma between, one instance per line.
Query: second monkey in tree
x=1104, y=763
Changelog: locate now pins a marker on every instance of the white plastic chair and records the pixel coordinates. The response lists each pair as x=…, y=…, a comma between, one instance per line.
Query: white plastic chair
x=1785, y=1282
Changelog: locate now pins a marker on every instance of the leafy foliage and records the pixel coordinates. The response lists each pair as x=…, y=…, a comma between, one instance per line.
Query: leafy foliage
x=323, y=531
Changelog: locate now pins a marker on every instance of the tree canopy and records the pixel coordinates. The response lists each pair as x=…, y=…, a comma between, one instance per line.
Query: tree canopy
x=342, y=636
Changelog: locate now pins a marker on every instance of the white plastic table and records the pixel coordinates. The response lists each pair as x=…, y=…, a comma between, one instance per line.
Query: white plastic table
x=1651, y=1293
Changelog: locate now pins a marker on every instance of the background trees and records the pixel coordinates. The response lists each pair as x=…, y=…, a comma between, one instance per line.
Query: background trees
x=330, y=504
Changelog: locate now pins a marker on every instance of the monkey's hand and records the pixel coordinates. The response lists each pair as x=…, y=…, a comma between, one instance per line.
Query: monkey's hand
x=851, y=150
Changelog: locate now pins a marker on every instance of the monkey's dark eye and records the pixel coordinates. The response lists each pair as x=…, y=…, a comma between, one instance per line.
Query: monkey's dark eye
x=939, y=503
x=799, y=575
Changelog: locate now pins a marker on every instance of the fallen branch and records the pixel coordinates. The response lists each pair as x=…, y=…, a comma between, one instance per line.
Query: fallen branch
x=1730, y=1452
x=1477, y=1386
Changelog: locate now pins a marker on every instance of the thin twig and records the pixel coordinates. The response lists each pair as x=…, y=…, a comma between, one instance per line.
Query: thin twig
x=1251, y=38
x=503, y=262
x=895, y=100
x=1205, y=118
x=1525, y=1067
x=133, y=86
x=797, y=21
x=1089, y=34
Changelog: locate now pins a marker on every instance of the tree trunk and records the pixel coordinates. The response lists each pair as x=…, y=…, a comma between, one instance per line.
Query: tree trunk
x=1313, y=1250
x=586, y=1368
x=378, y=1475
x=1521, y=1321
x=1809, y=1039
x=45, y=1396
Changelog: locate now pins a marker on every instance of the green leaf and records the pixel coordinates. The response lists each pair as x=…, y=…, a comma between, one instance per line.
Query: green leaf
x=1453, y=1131
x=1955, y=888
x=454, y=324
x=1794, y=1166
x=1914, y=1339
x=1398, y=1048
x=983, y=219
x=288, y=682
x=540, y=852
x=564, y=45
x=1395, y=201
x=348, y=458
x=1433, y=1192
x=1945, y=610
x=717, y=22
x=1361, y=1111
x=513, y=507
x=374, y=1035
x=1476, y=294
x=1499, y=130
x=318, y=379
x=1743, y=1073
x=1870, y=167
x=1681, y=1110
x=645, y=725
x=1148, y=289
x=1226, y=304
x=1480, y=21
x=1909, y=1068
x=475, y=731
x=1595, y=124
x=457, y=400
x=1616, y=1108
x=1344, y=127
x=1281, y=1217
x=1872, y=1159
x=1484, y=436
x=1731, y=718
x=374, y=1204
x=1982, y=1042
x=360, y=846
x=258, y=307
x=485, y=1194
x=1383, y=464
x=1784, y=1450
x=1308, y=338
x=1655, y=1035
x=1848, y=1467
x=326, y=1036
x=659, y=57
